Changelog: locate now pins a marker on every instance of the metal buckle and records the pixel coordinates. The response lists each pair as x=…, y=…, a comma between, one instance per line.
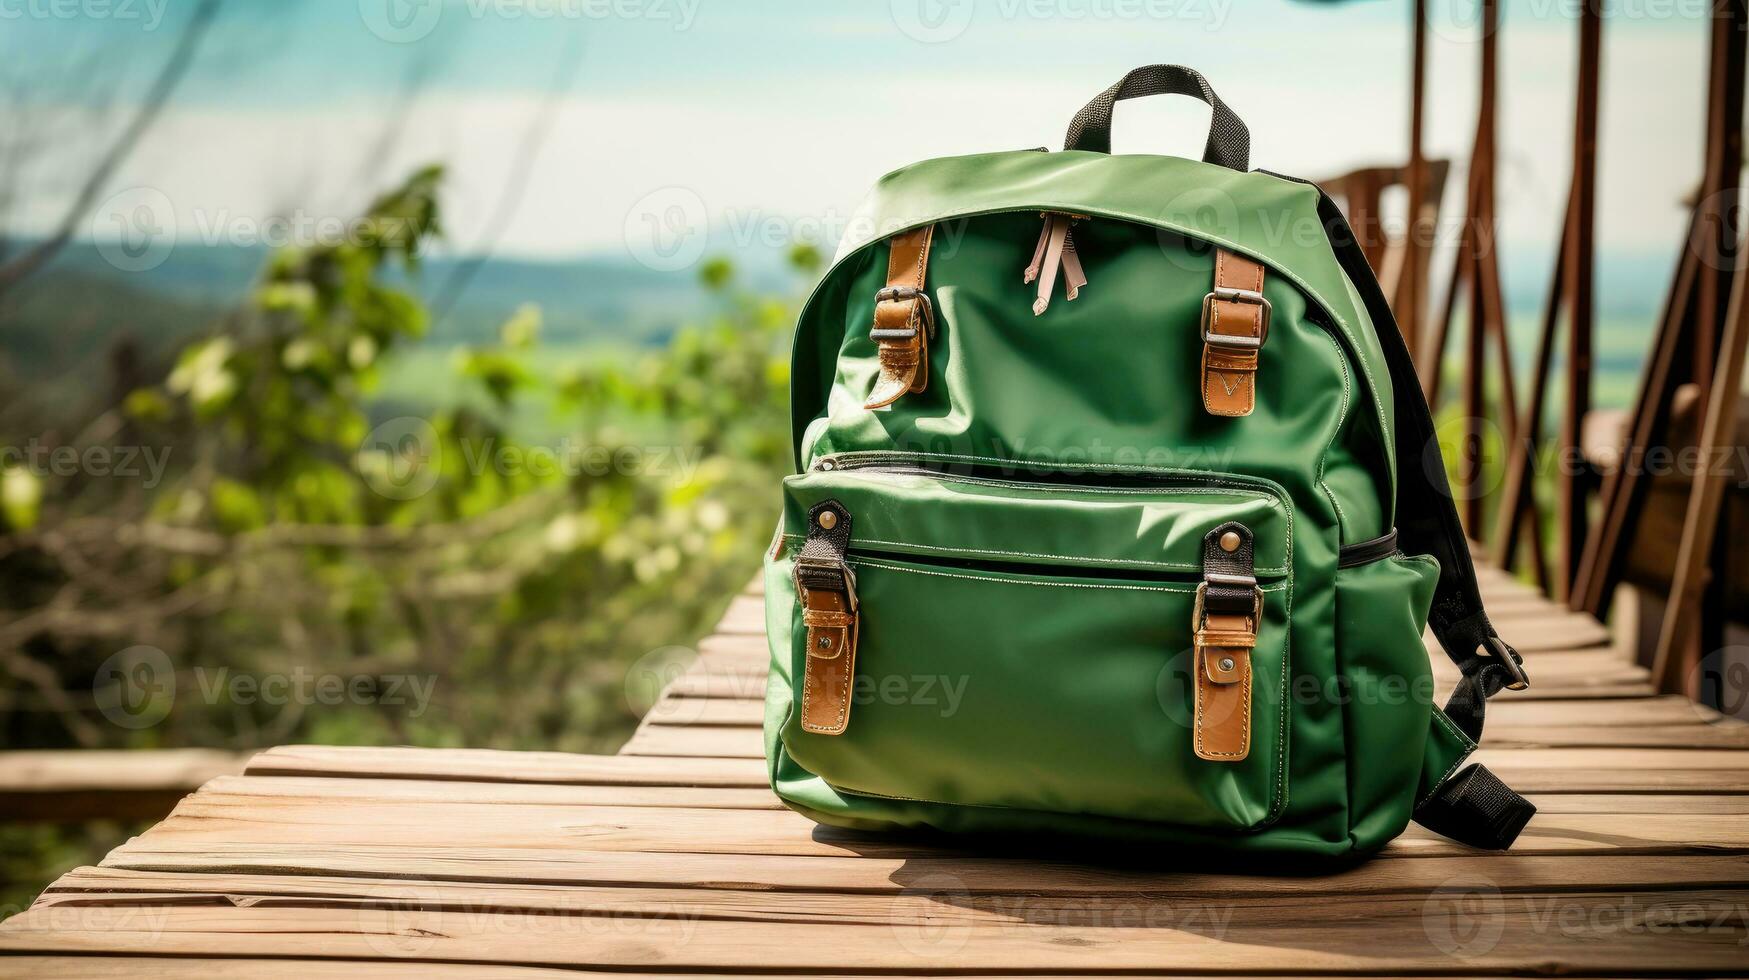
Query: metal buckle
x=844, y=569
x=1225, y=294
x=1503, y=653
x=1197, y=615
x=902, y=294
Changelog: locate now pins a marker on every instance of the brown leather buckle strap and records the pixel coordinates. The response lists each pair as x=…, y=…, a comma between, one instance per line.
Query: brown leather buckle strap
x=826, y=588
x=904, y=320
x=1228, y=614
x=1235, y=325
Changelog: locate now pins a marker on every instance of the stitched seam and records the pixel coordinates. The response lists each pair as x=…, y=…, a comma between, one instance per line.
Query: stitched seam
x=808, y=683
x=1283, y=728
x=1330, y=494
x=808, y=680
x=848, y=656
x=1341, y=419
x=1445, y=722
x=1244, y=717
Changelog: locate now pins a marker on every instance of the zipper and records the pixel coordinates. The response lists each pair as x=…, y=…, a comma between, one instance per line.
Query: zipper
x=1115, y=479
x=1042, y=476
x=1367, y=552
x=1035, y=569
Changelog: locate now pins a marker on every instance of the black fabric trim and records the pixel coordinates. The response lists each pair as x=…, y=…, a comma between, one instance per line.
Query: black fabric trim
x=1475, y=808
x=1229, y=577
x=820, y=564
x=1367, y=552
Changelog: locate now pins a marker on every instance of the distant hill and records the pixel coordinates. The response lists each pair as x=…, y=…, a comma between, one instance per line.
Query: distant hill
x=60, y=320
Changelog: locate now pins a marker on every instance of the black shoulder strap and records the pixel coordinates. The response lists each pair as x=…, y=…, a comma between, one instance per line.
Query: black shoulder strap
x=1473, y=806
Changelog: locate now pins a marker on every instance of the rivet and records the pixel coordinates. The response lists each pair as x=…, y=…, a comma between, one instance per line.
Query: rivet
x=1230, y=541
x=828, y=519
x=824, y=643
x=1226, y=663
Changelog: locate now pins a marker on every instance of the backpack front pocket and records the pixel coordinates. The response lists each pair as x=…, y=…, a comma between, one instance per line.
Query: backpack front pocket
x=1032, y=644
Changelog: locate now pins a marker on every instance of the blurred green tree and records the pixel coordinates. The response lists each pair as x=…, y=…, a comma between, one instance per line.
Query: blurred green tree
x=531, y=590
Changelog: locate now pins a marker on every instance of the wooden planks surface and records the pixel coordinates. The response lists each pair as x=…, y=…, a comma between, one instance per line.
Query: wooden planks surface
x=674, y=857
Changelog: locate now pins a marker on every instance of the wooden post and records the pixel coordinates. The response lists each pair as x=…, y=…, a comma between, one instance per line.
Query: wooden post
x=1476, y=268
x=1678, y=654
x=1412, y=281
x=1571, y=291
x=1575, y=482
x=1690, y=320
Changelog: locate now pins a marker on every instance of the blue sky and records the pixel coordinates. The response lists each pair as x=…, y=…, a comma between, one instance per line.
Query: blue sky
x=766, y=120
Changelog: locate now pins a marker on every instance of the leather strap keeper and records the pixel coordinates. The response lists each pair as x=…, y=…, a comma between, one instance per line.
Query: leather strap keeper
x=1229, y=609
x=904, y=320
x=826, y=589
x=1235, y=324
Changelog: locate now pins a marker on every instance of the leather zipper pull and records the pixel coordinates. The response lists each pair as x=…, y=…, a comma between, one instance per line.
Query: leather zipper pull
x=1227, y=616
x=1038, y=252
x=826, y=590
x=1055, y=252
x=1073, y=276
x=1051, y=238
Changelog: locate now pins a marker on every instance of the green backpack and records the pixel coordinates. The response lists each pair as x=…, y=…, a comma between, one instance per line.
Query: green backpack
x=1148, y=556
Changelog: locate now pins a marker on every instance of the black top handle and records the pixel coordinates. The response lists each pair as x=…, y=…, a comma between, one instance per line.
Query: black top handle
x=1229, y=143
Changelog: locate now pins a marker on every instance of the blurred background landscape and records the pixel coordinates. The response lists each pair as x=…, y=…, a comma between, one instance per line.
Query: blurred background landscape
x=415, y=371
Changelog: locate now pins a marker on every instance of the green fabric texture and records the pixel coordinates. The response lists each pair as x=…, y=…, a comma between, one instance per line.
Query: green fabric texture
x=1027, y=530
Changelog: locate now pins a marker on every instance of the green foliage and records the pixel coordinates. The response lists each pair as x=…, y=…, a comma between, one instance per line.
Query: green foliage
x=304, y=529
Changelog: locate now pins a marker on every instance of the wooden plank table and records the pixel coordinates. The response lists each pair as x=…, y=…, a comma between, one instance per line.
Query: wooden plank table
x=69, y=785
x=674, y=857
